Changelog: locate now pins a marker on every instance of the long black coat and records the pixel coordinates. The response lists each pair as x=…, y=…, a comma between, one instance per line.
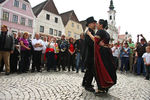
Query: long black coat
x=88, y=54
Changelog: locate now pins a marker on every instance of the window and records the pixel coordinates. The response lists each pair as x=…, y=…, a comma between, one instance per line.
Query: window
x=110, y=17
x=16, y=3
x=47, y=16
x=75, y=36
x=72, y=24
x=42, y=29
x=23, y=20
x=55, y=32
x=30, y=22
x=78, y=26
x=59, y=34
x=6, y=16
x=23, y=6
x=51, y=31
x=15, y=19
x=56, y=20
x=69, y=34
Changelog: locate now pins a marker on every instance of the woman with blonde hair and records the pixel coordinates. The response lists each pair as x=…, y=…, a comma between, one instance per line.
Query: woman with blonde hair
x=23, y=64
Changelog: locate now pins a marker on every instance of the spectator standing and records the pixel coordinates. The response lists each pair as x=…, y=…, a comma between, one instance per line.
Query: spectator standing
x=38, y=47
x=71, y=54
x=146, y=57
x=140, y=50
x=63, y=46
x=125, y=51
x=79, y=44
x=14, y=57
x=23, y=64
x=6, y=47
x=116, y=52
x=132, y=47
x=45, y=44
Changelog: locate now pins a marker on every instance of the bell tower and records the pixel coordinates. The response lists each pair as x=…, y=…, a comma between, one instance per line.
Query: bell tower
x=111, y=14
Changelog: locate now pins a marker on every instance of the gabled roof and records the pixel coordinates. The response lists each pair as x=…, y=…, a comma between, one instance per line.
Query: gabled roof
x=70, y=15
x=83, y=24
x=47, y=5
x=1, y=1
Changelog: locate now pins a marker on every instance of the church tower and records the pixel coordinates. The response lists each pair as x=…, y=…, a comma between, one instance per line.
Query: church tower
x=111, y=14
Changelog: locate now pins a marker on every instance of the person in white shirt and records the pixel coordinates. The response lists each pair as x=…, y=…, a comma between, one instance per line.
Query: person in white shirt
x=45, y=44
x=38, y=47
x=146, y=57
x=116, y=52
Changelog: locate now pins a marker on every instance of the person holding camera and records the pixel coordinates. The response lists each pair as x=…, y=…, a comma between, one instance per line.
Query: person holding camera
x=140, y=50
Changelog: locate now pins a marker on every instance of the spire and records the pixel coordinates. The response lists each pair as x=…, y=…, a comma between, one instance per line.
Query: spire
x=111, y=7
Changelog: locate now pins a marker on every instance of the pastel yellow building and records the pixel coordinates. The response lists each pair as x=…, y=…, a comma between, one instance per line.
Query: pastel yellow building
x=73, y=27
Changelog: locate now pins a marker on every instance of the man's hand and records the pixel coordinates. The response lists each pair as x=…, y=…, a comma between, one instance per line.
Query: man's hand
x=12, y=52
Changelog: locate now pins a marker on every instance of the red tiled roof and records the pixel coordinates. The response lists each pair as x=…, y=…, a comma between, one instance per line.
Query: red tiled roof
x=47, y=5
x=121, y=36
x=70, y=15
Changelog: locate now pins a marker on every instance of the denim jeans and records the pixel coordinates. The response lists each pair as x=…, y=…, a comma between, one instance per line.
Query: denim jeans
x=78, y=62
x=124, y=61
x=140, y=64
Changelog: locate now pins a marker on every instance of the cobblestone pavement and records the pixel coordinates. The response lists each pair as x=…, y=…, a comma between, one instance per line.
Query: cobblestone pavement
x=67, y=86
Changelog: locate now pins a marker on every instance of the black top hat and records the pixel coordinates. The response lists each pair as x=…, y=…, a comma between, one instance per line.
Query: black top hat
x=90, y=20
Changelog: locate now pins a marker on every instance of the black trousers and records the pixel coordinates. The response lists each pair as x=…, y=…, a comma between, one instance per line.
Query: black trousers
x=147, y=72
x=89, y=74
x=51, y=61
x=116, y=61
x=62, y=60
x=13, y=62
x=71, y=61
x=23, y=64
x=36, y=60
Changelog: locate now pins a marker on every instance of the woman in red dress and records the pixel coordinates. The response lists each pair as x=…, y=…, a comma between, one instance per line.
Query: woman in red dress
x=104, y=64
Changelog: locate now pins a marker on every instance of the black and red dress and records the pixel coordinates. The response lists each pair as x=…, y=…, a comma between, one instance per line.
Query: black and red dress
x=104, y=64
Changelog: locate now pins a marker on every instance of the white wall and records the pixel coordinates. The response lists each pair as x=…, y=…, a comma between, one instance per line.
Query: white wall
x=42, y=21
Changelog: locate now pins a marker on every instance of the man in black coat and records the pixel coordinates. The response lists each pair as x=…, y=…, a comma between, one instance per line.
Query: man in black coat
x=89, y=56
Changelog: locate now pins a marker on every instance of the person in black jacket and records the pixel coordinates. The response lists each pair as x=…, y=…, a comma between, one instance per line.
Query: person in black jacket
x=6, y=47
x=89, y=56
x=79, y=45
x=14, y=57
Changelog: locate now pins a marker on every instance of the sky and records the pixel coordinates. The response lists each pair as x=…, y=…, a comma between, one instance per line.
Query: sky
x=132, y=16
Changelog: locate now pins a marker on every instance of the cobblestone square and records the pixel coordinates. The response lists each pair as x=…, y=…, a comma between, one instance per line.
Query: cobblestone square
x=67, y=86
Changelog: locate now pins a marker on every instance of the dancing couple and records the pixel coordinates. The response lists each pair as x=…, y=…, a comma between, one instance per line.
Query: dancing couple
x=98, y=57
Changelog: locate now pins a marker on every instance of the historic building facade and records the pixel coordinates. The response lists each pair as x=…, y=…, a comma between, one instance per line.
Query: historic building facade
x=17, y=15
x=48, y=21
x=73, y=27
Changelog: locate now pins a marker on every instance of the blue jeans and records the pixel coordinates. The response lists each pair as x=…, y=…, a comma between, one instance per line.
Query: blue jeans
x=78, y=62
x=124, y=61
x=140, y=64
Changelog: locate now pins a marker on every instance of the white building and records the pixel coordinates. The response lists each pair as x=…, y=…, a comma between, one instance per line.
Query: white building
x=112, y=29
x=48, y=21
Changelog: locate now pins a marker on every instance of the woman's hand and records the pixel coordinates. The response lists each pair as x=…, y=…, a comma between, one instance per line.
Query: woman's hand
x=88, y=32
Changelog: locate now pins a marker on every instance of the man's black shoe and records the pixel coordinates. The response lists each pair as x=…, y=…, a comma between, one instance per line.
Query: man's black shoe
x=90, y=89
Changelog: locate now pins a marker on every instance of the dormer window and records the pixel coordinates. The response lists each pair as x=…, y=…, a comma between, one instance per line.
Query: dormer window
x=16, y=3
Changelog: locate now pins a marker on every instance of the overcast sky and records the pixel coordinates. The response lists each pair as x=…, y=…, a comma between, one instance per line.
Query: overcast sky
x=132, y=15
